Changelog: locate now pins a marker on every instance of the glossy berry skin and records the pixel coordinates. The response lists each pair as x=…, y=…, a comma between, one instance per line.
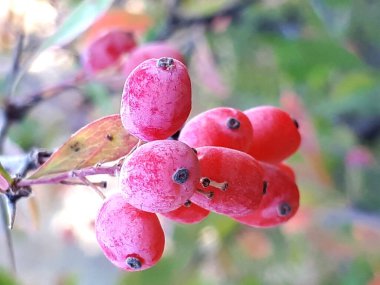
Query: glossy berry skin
x=243, y=175
x=222, y=126
x=160, y=176
x=279, y=203
x=131, y=239
x=106, y=50
x=275, y=136
x=187, y=214
x=156, y=100
x=148, y=51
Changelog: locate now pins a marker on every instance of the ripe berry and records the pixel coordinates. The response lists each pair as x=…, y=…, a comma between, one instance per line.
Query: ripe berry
x=275, y=136
x=131, y=239
x=106, y=50
x=222, y=126
x=148, y=51
x=160, y=176
x=279, y=203
x=232, y=182
x=189, y=213
x=157, y=99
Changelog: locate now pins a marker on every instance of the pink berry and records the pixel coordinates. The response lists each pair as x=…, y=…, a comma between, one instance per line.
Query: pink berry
x=280, y=201
x=131, y=239
x=160, y=176
x=157, y=99
x=231, y=183
x=106, y=50
x=189, y=213
x=275, y=136
x=222, y=126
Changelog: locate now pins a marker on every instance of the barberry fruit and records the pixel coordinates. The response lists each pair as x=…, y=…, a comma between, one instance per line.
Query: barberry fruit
x=231, y=183
x=160, y=176
x=275, y=136
x=222, y=126
x=280, y=201
x=131, y=239
x=189, y=213
x=157, y=99
x=106, y=50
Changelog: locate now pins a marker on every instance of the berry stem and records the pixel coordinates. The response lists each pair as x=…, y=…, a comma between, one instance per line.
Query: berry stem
x=63, y=177
x=206, y=182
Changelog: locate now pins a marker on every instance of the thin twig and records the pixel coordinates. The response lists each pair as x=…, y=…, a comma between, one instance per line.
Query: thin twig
x=7, y=231
x=16, y=60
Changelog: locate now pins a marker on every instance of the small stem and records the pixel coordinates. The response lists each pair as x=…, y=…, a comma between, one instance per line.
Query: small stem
x=101, y=184
x=93, y=187
x=206, y=182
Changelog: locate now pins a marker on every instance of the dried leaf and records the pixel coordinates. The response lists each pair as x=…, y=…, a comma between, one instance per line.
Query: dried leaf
x=100, y=141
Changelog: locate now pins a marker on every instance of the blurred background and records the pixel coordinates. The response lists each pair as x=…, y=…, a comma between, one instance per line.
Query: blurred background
x=317, y=59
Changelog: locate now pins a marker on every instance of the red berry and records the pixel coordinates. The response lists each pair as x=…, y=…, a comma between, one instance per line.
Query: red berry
x=226, y=127
x=148, y=51
x=131, y=239
x=239, y=177
x=106, y=50
x=187, y=214
x=160, y=176
x=275, y=136
x=280, y=201
x=157, y=99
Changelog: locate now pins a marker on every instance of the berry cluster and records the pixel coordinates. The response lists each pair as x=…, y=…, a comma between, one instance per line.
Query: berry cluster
x=225, y=161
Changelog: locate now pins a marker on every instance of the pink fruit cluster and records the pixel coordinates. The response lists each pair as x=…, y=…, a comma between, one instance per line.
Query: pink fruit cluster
x=225, y=161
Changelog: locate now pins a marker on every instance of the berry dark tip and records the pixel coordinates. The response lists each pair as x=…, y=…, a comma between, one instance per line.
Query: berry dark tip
x=166, y=63
x=284, y=209
x=187, y=204
x=233, y=124
x=195, y=151
x=296, y=123
x=265, y=187
x=133, y=262
x=224, y=186
x=205, y=182
x=181, y=175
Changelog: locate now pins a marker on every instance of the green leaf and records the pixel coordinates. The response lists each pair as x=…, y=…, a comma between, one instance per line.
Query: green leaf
x=100, y=141
x=77, y=22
